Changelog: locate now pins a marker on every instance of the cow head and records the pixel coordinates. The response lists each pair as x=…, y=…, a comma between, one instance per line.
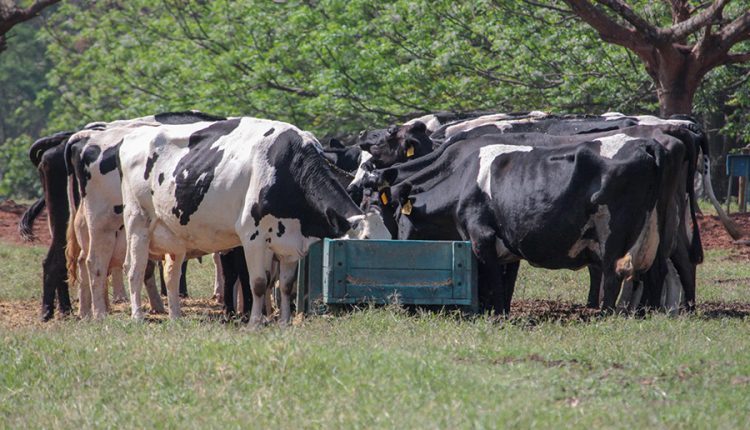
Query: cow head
x=369, y=225
x=396, y=144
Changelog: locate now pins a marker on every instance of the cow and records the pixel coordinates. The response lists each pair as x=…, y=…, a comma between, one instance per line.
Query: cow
x=47, y=154
x=395, y=144
x=206, y=187
x=95, y=235
x=582, y=124
x=438, y=217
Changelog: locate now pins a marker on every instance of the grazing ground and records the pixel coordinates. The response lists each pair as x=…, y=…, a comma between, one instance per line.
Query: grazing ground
x=554, y=364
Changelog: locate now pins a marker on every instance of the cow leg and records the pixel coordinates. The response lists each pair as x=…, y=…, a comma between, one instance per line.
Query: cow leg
x=508, y=284
x=49, y=285
x=230, y=277
x=672, y=290
x=154, y=298
x=287, y=276
x=245, y=295
x=136, y=259
x=173, y=266
x=218, y=278
x=97, y=264
x=84, y=292
x=63, y=297
x=160, y=265
x=118, y=285
x=54, y=276
x=595, y=287
x=183, y=280
x=685, y=269
x=258, y=260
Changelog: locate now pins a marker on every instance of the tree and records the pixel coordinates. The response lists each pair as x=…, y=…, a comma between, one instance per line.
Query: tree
x=678, y=56
x=11, y=14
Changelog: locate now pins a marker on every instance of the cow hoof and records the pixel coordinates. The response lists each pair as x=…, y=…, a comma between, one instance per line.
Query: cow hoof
x=138, y=316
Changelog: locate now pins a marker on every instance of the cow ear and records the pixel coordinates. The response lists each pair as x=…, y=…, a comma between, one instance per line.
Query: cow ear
x=388, y=176
x=392, y=130
x=418, y=127
x=335, y=143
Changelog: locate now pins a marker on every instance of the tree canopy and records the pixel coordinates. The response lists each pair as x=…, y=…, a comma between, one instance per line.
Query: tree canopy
x=336, y=66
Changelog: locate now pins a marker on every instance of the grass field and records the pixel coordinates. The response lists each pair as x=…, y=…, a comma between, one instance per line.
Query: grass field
x=381, y=368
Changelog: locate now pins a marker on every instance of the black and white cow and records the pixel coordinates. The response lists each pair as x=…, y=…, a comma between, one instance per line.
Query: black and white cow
x=430, y=198
x=207, y=187
x=48, y=155
x=96, y=242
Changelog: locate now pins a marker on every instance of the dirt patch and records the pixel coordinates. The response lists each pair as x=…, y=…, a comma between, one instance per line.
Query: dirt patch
x=10, y=215
x=714, y=236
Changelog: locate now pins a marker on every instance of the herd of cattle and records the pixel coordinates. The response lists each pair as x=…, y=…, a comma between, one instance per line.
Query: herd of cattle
x=613, y=193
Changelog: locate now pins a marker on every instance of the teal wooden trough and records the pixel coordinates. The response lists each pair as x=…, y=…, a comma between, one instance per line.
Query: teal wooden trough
x=410, y=272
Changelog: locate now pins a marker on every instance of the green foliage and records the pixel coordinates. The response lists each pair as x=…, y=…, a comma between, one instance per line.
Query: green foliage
x=22, y=76
x=19, y=179
x=332, y=66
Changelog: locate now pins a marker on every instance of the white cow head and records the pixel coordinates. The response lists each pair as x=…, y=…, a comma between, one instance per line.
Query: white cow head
x=369, y=225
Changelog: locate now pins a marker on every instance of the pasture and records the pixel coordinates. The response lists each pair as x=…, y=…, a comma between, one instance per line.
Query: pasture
x=553, y=364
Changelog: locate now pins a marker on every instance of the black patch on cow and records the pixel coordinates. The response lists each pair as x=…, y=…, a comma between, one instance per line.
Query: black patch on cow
x=304, y=188
x=150, y=165
x=109, y=159
x=82, y=162
x=118, y=209
x=254, y=235
x=255, y=213
x=200, y=165
x=187, y=117
x=269, y=132
x=281, y=229
x=161, y=178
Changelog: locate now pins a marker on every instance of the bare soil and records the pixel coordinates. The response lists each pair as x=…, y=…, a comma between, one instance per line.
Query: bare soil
x=10, y=215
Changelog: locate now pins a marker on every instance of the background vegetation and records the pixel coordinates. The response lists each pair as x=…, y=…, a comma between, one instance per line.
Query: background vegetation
x=330, y=66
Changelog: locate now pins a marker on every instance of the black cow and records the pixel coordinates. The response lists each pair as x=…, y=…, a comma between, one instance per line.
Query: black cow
x=430, y=197
x=46, y=155
x=396, y=144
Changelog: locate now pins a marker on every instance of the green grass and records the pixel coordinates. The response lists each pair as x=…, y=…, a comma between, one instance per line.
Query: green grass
x=381, y=368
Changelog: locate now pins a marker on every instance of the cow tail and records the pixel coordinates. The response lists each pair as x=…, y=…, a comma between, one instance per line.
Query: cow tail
x=731, y=227
x=26, y=226
x=72, y=247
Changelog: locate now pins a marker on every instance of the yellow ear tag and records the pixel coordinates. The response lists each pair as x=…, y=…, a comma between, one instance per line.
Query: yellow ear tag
x=409, y=152
x=406, y=208
x=384, y=198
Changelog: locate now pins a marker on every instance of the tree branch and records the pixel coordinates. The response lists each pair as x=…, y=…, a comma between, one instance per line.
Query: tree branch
x=622, y=9
x=736, y=31
x=14, y=15
x=737, y=58
x=695, y=23
x=609, y=30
